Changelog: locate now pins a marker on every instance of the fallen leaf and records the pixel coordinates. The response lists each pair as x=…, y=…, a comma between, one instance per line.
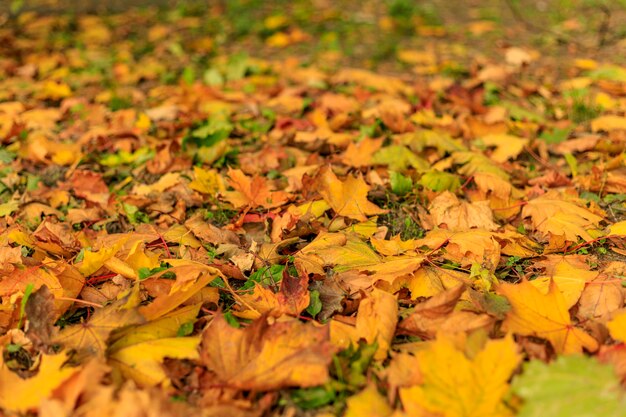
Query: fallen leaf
x=267, y=356
x=544, y=315
x=19, y=395
x=347, y=198
x=572, y=386
x=454, y=385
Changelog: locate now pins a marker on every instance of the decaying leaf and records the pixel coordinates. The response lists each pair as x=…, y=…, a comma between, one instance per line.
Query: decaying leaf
x=267, y=356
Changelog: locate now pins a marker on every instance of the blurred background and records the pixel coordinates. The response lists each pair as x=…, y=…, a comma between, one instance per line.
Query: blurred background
x=373, y=34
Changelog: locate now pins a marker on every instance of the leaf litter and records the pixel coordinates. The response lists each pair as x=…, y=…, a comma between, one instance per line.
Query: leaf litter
x=190, y=229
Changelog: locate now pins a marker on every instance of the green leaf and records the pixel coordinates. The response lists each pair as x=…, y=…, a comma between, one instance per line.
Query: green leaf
x=555, y=136
x=315, y=397
x=185, y=329
x=571, y=386
x=398, y=158
x=400, y=185
x=315, y=305
x=440, y=181
x=8, y=208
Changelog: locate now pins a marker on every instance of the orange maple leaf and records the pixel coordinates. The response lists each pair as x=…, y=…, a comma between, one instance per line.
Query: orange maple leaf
x=252, y=192
x=267, y=356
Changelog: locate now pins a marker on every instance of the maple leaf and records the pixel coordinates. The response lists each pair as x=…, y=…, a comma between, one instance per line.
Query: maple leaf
x=21, y=395
x=91, y=336
x=617, y=326
x=292, y=298
x=191, y=278
x=507, y=146
x=551, y=215
x=543, y=315
x=360, y=154
x=375, y=322
x=142, y=362
x=267, y=356
x=571, y=386
x=447, y=211
x=368, y=403
x=569, y=279
x=454, y=385
x=347, y=198
x=252, y=192
x=438, y=315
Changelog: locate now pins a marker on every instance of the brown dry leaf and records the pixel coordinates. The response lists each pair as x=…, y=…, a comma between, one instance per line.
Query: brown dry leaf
x=267, y=356
x=347, y=198
x=448, y=212
x=252, y=192
x=90, y=338
x=90, y=186
x=544, y=315
x=438, y=315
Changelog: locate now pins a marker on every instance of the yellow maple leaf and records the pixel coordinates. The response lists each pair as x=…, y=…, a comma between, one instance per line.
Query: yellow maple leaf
x=368, y=403
x=570, y=280
x=507, y=146
x=267, y=356
x=393, y=246
x=617, y=326
x=142, y=362
x=20, y=395
x=206, y=181
x=454, y=385
x=92, y=261
x=543, y=315
x=375, y=322
x=347, y=198
x=617, y=229
x=551, y=215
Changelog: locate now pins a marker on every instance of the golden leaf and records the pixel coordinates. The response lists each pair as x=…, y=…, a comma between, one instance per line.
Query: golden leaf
x=457, y=386
x=375, y=322
x=560, y=217
x=347, y=198
x=569, y=279
x=543, y=315
x=368, y=403
x=20, y=395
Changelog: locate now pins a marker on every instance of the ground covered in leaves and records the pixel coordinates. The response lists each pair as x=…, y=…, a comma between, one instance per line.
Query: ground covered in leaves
x=313, y=211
